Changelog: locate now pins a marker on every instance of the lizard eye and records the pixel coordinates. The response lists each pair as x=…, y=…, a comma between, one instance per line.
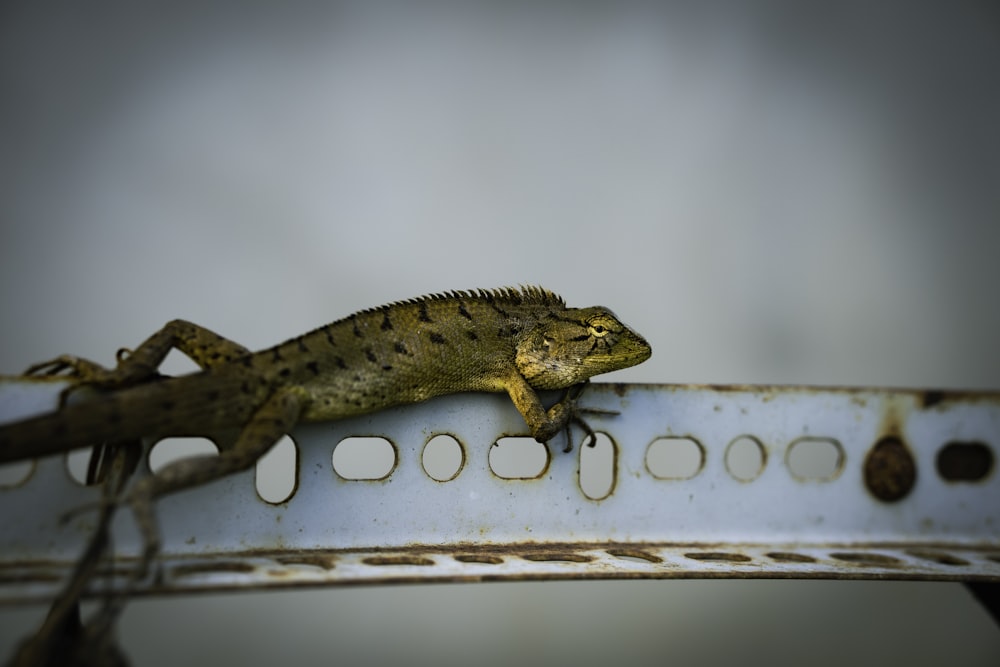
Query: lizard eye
x=601, y=325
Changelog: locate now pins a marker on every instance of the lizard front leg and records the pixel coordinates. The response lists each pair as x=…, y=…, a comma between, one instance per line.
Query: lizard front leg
x=206, y=348
x=545, y=424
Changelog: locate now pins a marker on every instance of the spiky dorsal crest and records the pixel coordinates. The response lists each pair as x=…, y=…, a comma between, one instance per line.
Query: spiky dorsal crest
x=525, y=294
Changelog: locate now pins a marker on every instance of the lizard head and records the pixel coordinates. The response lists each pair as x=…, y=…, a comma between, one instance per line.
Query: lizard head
x=576, y=345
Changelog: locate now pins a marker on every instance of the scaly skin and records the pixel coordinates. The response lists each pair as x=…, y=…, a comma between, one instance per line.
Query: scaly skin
x=509, y=340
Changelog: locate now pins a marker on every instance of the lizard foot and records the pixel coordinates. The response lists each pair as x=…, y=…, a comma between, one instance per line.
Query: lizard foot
x=575, y=416
x=70, y=366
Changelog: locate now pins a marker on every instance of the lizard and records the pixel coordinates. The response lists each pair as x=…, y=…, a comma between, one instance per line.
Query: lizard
x=514, y=340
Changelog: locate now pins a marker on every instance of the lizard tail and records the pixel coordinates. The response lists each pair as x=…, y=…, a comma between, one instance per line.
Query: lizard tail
x=187, y=405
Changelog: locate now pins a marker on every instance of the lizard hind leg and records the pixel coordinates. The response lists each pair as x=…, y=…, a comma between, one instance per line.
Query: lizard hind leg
x=206, y=348
x=275, y=417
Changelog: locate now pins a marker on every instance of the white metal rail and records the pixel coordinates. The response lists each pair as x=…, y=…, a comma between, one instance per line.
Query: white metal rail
x=686, y=481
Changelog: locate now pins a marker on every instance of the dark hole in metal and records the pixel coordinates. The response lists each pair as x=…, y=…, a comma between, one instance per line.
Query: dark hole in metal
x=865, y=558
x=718, y=556
x=635, y=554
x=397, y=560
x=568, y=557
x=890, y=471
x=935, y=557
x=479, y=558
x=964, y=461
x=789, y=557
x=324, y=562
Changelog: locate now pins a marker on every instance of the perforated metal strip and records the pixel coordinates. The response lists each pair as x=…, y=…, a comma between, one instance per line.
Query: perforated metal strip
x=692, y=481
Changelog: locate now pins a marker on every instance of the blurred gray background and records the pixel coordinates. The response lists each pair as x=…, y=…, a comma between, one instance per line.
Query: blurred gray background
x=769, y=191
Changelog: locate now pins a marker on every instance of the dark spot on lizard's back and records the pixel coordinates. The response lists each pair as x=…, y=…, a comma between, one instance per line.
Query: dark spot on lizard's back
x=437, y=338
x=276, y=357
x=472, y=335
x=463, y=312
x=340, y=363
x=354, y=326
x=302, y=344
x=313, y=367
x=387, y=368
x=285, y=372
x=371, y=356
x=400, y=348
x=329, y=336
x=247, y=361
x=386, y=323
x=424, y=316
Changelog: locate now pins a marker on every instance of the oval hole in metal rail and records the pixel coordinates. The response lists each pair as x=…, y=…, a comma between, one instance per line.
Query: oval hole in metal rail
x=815, y=459
x=77, y=462
x=675, y=458
x=745, y=458
x=364, y=458
x=597, y=467
x=518, y=457
x=964, y=462
x=15, y=474
x=442, y=458
x=168, y=450
x=275, y=477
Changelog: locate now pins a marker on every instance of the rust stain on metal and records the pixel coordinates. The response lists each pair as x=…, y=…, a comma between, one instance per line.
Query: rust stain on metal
x=889, y=470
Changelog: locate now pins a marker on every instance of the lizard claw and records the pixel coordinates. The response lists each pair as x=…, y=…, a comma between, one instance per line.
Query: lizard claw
x=575, y=416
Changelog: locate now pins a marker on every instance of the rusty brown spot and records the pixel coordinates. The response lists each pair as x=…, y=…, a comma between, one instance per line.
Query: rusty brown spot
x=964, y=461
x=890, y=471
x=718, y=556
